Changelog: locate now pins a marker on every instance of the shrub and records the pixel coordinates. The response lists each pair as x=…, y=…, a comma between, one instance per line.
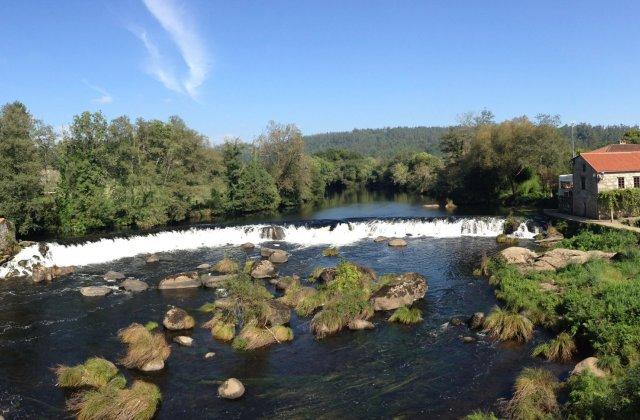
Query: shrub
x=405, y=315
x=504, y=325
x=143, y=346
x=330, y=252
x=95, y=372
x=534, y=396
x=226, y=266
x=560, y=349
x=609, y=240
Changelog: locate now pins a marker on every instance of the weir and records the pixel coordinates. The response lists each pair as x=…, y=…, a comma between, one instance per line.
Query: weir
x=303, y=234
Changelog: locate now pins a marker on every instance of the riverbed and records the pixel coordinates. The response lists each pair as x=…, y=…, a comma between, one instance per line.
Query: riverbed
x=424, y=370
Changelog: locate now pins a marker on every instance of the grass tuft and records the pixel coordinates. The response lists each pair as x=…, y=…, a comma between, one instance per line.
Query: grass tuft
x=252, y=337
x=405, y=315
x=559, y=349
x=226, y=266
x=504, y=325
x=332, y=251
x=534, y=396
x=139, y=402
x=95, y=372
x=143, y=346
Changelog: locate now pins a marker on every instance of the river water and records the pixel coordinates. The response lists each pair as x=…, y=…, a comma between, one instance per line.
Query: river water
x=417, y=371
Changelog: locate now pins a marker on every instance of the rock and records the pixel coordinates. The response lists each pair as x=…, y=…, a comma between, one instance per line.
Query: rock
x=215, y=282
x=327, y=275
x=153, y=366
x=231, y=389
x=263, y=269
x=397, y=243
x=183, y=340
x=590, y=364
x=180, y=281
x=266, y=252
x=134, y=285
x=402, y=291
x=517, y=255
x=275, y=233
x=456, y=321
x=247, y=246
x=380, y=239
x=153, y=258
x=360, y=324
x=93, y=291
x=224, y=303
x=41, y=273
x=468, y=339
x=277, y=313
x=113, y=276
x=279, y=256
x=209, y=355
x=204, y=266
x=283, y=283
x=476, y=321
x=178, y=319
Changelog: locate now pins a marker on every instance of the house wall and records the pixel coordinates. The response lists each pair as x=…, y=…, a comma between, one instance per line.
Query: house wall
x=585, y=201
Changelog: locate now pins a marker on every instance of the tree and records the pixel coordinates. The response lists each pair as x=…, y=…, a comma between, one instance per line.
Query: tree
x=632, y=136
x=21, y=185
x=256, y=190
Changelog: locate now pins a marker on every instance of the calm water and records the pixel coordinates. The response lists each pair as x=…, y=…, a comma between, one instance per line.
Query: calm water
x=418, y=371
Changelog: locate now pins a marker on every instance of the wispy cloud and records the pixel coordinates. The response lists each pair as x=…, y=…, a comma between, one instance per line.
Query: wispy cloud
x=105, y=97
x=181, y=31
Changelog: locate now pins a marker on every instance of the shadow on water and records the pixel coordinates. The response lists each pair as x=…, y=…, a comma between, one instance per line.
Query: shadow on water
x=419, y=371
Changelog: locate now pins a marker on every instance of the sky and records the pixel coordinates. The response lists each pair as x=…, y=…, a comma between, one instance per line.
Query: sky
x=229, y=67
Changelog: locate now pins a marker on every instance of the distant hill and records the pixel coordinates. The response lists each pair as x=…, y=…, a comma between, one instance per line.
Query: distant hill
x=379, y=142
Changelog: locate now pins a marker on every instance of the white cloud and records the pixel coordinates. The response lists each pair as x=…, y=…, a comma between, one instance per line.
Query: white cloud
x=106, y=97
x=182, y=33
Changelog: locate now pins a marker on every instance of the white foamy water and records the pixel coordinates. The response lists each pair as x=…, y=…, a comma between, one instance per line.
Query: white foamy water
x=342, y=233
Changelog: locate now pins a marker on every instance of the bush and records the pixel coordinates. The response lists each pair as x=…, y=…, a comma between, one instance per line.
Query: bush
x=559, y=349
x=609, y=240
x=226, y=266
x=405, y=315
x=504, y=325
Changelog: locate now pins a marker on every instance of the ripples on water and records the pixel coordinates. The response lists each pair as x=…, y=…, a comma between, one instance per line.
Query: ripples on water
x=394, y=370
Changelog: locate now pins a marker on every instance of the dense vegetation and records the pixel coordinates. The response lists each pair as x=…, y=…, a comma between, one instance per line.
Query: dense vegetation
x=594, y=309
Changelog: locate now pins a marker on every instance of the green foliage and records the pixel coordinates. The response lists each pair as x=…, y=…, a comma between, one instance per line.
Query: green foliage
x=480, y=415
x=95, y=372
x=560, y=349
x=504, y=325
x=534, y=396
x=139, y=402
x=621, y=202
x=330, y=252
x=151, y=325
x=612, y=240
x=405, y=315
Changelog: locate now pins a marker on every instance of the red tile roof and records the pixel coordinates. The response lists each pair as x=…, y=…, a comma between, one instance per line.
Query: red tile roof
x=614, y=158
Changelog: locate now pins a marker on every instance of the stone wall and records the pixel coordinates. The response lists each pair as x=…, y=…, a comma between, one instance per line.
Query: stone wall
x=585, y=201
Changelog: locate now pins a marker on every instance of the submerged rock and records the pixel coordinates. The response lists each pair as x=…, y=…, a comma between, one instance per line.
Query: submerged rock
x=247, y=246
x=209, y=355
x=231, y=389
x=456, y=321
x=277, y=313
x=360, y=324
x=266, y=252
x=397, y=243
x=41, y=273
x=476, y=321
x=279, y=256
x=183, y=340
x=380, y=239
x=134, y=285
x=178, y=319
x=153, y=258
x=401, y=291
x=468, y=339
x=113, y=276
x=180, y=281
x=204, y=266
x=153, y=366
x=263, y=269
x=93, y=291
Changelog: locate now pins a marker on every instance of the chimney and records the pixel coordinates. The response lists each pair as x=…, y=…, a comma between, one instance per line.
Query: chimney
x=622, y=141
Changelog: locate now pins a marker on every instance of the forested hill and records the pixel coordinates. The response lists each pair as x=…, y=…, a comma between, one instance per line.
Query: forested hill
x=388, y=142
x=379, y=142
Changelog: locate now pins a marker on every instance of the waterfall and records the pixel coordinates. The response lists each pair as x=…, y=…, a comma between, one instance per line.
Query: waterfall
x=337, y=233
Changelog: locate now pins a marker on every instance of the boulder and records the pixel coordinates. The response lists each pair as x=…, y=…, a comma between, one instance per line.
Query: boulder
x=41, y=273
x=215, y=282
x=360, y=324
x=397, y=243
x=277, y=313
x=517, y=255
x=134, y=285
x=279, y=256
x=209, y=355
x=204, y=266
x=283, y=283
x=266, y=252
x=231, y=389
x=380, y=239
x=476, y=321
x=401, y=291
x=327, y=275
x=263, y=269
x=153, y=366
x=153, y=258
x=275, y=233
x=468, y=339
x=590, y=364
x=113, y=276
x=178, y=319
x=93, y=291
x=180, y=281
x=183, y=340
x=247, y=246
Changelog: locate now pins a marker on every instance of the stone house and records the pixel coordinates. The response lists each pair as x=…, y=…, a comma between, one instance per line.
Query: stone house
x=610, y=167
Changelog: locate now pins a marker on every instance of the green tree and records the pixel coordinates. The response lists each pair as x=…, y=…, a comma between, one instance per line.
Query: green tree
x=632, y=136
x=256, y=190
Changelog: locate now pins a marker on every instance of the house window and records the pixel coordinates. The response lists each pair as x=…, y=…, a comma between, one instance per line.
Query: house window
x=621, y=182
x=583, y=181
x=636, y=182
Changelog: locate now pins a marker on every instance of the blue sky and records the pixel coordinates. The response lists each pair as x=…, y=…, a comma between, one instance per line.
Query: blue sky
x=228, y=67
